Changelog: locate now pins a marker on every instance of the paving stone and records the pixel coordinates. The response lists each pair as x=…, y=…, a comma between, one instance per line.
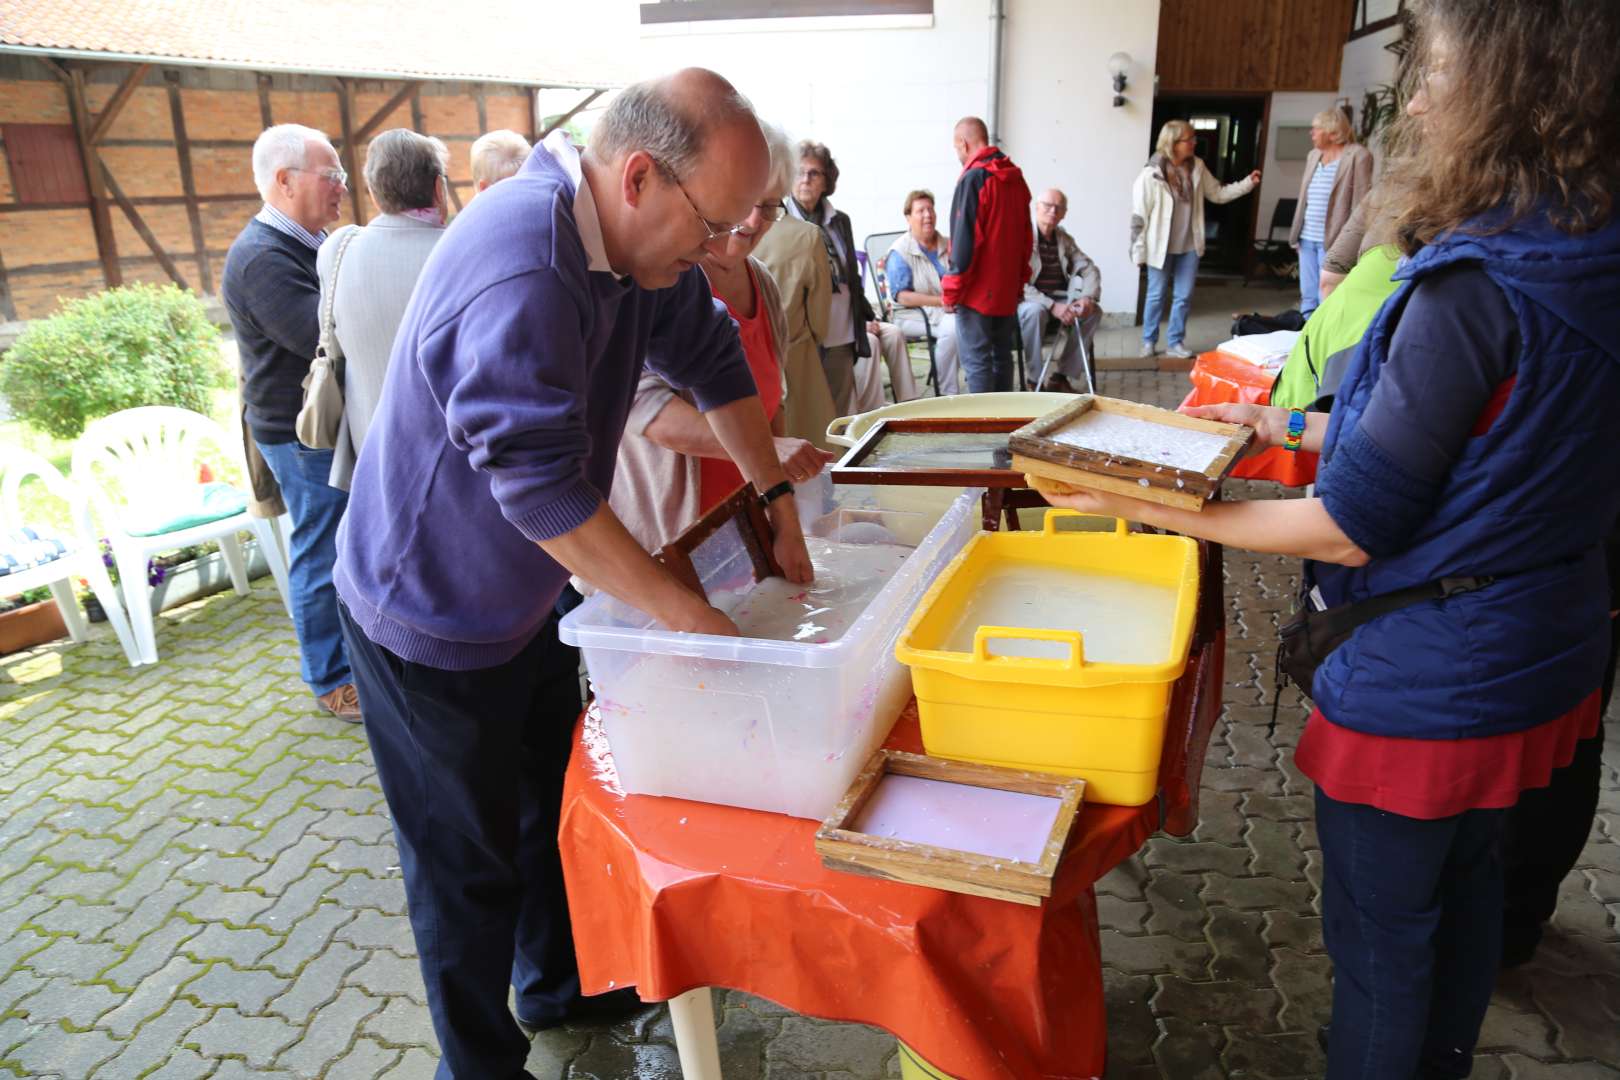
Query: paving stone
x=53, y=1050
x=358, y=891
x=246, y=991
x=609, y=1059
x=220, y=942
x=419, y=1064
x=1165, y=853
x=306, y=938
x=1189, y=1051
x=65, y=956
x=80, y=920
x=1177, y=907
x=1261, y=892
x=154, y=1043
x=153, y=993
x=374, y=930
x=1227, y=1003
x=64, y=999
x=1126, y=916
x=183, y=1064
x=1288, y=1054
x=16, y=986
x=317, y=982
x=1128, y=880
x=152, y=952
x=1275, y=847
x=364, y=1060
x=257, y=1039
x=232, y=1069
x=1151, y=953
x=387, y=974
x=1524, y=1068
x=215, y=868
x=234, y=907
x=1305, y=981
x=1240, y=950
x=403, y=1022
x=811, y=1044
x=1515, y=1029
x=378, y=860
x=1131, y=1027
x=328, y=1032
x=291, y=863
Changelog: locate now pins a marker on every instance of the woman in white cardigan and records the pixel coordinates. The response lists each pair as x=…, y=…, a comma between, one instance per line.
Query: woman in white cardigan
x=1167, y=229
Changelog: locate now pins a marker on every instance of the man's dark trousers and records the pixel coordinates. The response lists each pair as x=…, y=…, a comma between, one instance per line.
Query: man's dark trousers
x=472, y=765
x=984, y=349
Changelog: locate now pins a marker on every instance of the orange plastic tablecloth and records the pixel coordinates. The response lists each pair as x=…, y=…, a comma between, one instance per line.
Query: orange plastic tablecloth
x=1218, y=378
x=668, y=895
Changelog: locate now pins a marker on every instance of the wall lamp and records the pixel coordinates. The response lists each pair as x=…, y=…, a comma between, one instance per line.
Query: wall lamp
x=1118, y=65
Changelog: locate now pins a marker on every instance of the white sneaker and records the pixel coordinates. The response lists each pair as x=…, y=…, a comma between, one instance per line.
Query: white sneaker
x=1148, y=349
x=1179, y=352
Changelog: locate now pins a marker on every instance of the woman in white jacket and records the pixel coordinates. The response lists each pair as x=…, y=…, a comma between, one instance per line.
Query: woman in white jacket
x=1167, y=229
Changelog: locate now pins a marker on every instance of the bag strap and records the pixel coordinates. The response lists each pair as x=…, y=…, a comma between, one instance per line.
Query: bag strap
x=1346, y=617
x=327, y=340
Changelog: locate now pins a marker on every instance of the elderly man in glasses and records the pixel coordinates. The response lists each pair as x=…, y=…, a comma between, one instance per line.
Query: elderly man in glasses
x=482, y=486
x=1065, y=288
x=273, y=294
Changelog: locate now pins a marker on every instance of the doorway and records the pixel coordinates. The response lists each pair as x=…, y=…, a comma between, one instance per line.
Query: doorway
x=1230, y=130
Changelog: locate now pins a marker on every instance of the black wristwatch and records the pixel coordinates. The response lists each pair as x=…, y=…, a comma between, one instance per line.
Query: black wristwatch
x=776, y=492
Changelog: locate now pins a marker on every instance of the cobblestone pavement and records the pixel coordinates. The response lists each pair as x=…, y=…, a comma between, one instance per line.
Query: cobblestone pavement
x=198, y=879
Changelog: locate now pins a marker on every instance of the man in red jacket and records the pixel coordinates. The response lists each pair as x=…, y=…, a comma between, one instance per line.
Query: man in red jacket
x=991, y=239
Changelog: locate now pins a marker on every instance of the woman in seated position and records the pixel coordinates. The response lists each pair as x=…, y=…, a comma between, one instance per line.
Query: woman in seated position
x=913, y=267
x=1470, y=452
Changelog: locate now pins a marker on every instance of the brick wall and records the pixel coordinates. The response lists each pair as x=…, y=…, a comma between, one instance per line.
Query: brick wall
x=50, y=252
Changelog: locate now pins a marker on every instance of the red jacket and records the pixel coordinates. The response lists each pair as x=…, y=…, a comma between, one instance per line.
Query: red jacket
x=991, y=236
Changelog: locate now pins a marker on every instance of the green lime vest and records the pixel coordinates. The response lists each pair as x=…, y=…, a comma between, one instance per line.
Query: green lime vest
x=1338, y=324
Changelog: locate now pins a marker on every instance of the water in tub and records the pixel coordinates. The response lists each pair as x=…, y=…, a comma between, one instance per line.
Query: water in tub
x=717, y=729
x=1120, y=621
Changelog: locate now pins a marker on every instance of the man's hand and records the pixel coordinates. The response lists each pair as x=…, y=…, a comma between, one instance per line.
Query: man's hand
x=787, y=542
x=702, y=618
x=872, y=326
x=1082, y=307
x=1064, y=313
x=801, y=459
x=1254, y=177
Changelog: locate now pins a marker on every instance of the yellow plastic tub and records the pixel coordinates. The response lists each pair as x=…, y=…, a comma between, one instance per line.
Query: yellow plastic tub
x=1059, y=711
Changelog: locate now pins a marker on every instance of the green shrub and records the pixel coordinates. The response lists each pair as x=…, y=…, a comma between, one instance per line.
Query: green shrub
x=131, y=346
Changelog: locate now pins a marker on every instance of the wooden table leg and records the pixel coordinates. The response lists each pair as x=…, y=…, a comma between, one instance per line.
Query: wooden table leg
x=692, y=1016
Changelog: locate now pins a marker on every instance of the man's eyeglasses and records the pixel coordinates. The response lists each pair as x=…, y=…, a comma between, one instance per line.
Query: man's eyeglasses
x=772, y=211
x=335, y=177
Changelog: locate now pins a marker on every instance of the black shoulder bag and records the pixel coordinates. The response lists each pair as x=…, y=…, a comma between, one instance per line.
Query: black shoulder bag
x=1310, y=634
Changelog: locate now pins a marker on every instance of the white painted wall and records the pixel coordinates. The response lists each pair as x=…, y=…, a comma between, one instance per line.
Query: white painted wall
x=884, y=99
x=1060, y=124
x=1366, y=64
x=1280, y=179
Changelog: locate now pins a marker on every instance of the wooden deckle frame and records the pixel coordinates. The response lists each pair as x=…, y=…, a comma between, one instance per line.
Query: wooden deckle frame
x=842, y=848
x=743, y=505
x=1035, y=452
x=854, y=470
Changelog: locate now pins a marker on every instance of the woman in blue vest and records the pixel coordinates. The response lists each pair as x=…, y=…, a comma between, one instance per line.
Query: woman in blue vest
x=1473, y=442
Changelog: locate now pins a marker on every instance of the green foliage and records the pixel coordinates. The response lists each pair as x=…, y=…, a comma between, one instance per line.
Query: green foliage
x=119, y=349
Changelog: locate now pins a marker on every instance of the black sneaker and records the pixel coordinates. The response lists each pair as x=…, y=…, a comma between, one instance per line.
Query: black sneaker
x=599, y=1010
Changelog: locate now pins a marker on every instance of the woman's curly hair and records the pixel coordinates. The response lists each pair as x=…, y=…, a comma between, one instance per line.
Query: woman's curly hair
x=1532, y=96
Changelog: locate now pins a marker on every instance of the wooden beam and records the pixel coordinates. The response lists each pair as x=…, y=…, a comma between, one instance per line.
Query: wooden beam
x=455, y=200
x=116, y=104
x=264, y=101
x=188, y=183
x=100, y=219
x=345, y=96
x=410, y=90
x=418, y=120
x=483, y=108
x=571, y=113
x=145, y=233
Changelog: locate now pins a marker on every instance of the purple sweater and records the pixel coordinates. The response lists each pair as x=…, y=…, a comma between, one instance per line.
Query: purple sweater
x=499, y=423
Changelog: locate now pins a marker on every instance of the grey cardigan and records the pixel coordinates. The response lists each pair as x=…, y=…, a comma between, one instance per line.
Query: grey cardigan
x=374, y=284
x=1350, y=185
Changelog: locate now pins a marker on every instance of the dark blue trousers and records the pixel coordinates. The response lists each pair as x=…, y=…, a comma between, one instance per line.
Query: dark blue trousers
x=984, y=349
x=1412, y=917
x=472, y=765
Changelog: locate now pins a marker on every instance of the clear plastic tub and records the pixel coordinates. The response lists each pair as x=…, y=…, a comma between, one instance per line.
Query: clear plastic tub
x=779, y=725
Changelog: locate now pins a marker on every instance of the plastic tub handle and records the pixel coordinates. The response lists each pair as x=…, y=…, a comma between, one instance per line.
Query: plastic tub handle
x=1049, y=527
x=836, y=429
x=1073, y=662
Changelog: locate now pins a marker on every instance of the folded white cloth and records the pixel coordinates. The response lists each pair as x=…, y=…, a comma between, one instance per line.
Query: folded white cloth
x=1262, y=350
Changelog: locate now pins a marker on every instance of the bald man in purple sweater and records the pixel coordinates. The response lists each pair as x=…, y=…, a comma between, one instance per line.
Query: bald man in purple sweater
x=483, y=485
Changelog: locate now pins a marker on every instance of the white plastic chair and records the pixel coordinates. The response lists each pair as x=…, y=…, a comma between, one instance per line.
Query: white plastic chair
x=81, y=555
x=132, y=463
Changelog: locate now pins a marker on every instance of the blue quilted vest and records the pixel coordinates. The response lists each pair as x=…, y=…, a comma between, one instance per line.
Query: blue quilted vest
x=1528, y=503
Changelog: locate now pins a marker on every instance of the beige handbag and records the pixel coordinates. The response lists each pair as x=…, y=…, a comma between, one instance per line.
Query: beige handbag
x=322, y=412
